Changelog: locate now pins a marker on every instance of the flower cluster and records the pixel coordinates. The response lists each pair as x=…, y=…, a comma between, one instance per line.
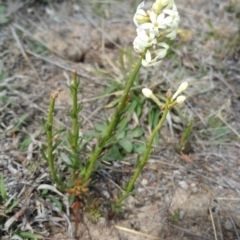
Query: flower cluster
x=153, y=26
x=175, y=99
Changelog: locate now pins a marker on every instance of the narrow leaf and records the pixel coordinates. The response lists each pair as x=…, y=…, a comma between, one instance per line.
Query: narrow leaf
x=126, y=145
x=26, y=235
x=3, y=189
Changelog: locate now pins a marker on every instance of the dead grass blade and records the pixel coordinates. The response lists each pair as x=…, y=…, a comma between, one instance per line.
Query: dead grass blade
x=136, y=232
x=24, y=53
x=213, y=224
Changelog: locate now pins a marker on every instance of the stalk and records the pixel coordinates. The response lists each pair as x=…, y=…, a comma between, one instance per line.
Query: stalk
x=145, y=156
x=112, y=125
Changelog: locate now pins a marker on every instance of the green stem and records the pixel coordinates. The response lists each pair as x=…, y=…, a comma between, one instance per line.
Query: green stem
x=74, y=91
x=145, y=156
x=49, y=125
x=112, y=125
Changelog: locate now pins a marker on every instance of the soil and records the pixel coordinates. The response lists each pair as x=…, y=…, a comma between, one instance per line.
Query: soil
x=192, y=195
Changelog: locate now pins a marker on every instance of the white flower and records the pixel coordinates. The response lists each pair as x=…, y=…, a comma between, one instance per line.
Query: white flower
x=147, y=92
x=160, y=4
x=137, y=47
x=181, y=88
x=154, y=58
x=157, y=22
x=173, y=16
x=148, y=61
x=140, y=13
x=180, y=99
x=155, y=25
x=145, y=38
x=172, y=35
x=162, y=52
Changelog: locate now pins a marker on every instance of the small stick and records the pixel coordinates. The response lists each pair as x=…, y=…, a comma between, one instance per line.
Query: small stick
x=213, y=224
x=24, y=53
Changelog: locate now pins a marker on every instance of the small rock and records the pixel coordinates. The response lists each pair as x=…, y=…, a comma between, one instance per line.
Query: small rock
x=176, y=172
x=144, y=181
x=183, y=185
x=181, y=214
x=194, y=187
x=228, y=225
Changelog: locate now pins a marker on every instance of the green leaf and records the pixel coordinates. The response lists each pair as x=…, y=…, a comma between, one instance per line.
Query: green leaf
x=120, y=135
x=138, y=160
x=113, y=103
x=122, y=125
x=132, y=108
x=221, y=132
x=3, y=189
x=24, y=144
x=184, y=144
x=2, y=9
x=140, y=148
x=56, y=202
x=126, y=145
x=4, y=19
x=135, y=133
x=175, y=217
x=56, y=144
x=113, y=154
x=100, y=127
x=3, y=75
x=36, y=47
x=155, y=123
x=214, y=122
x=66, y=158
x=20, y=121
x=71, y=199
x=150, y=116
x=14, y=204
x=43, y=121
x=44, y=192
x=90, y=134
x=110, y=89
x=26, y=235
x=7, y=100
x=139, y=110
x=43, y=150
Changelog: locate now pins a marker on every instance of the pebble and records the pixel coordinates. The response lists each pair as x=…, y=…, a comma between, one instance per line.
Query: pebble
x=181, y=214
x=183, y=185
x=144, y=181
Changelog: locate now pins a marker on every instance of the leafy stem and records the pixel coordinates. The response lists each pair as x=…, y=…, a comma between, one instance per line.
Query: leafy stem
x=144, y=159
x=74, y=137
x=50, y=147
x=113, y=123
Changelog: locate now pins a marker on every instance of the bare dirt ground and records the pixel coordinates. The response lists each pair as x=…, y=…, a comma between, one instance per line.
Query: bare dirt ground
x=192, y=196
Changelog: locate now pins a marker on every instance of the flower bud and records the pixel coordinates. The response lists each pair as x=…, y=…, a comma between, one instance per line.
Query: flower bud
x=181, y=88
x=54, y=94
x=147, y=92
x=169, y=94
x=160, y=4
x=141, y=18
x=180, y=99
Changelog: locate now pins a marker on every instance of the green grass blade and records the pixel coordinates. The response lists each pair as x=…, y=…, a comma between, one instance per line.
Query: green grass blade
x=3, y=189
x=26, y=235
